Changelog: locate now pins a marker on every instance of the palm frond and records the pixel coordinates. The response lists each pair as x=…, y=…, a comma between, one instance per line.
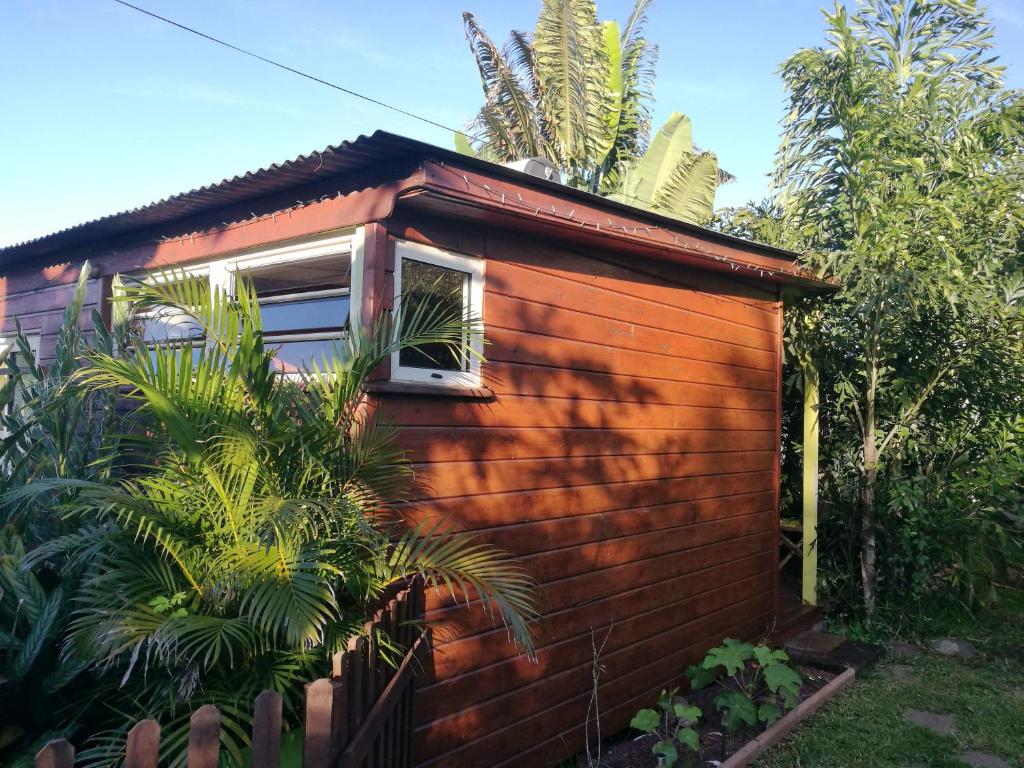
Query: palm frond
x=568, y=54
x=70, y=333
x=506, y=98
x=466, y=567
x=630, y=64
x=672, y=177
x=289, y=594
x=43, y=627
x=689, y=192
x=214, y=642
x=639, y=58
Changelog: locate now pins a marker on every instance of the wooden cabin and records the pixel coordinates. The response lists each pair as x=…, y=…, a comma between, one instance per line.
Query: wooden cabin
x=621, y=436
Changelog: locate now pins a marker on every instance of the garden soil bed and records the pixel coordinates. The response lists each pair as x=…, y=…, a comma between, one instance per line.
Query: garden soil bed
x=627, y=750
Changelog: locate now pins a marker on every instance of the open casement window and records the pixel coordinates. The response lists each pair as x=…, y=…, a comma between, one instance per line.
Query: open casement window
x=304, y=292
x=432, y=279
x=11, y=354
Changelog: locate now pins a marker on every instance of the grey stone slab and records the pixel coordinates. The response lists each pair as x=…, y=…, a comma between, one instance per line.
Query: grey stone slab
x=907, y=650
x=815, y=643
x=934, y=722
x=897, y=671
x=983, y=760
x=953, y=647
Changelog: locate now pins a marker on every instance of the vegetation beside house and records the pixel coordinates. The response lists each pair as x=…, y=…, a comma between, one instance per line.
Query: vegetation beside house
x=900, y=172
x=223, y=537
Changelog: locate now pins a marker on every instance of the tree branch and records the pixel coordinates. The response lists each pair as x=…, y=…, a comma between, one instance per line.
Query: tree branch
x=912, y=410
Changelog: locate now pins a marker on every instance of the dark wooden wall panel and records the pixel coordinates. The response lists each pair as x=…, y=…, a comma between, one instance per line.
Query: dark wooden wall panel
x=629, y=457
x=40, y=310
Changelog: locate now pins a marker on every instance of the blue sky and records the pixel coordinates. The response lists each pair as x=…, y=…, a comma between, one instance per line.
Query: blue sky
x=106, y=109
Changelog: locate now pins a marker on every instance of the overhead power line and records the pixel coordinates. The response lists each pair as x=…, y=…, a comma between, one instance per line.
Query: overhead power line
x=307, y=76
x=294, y=71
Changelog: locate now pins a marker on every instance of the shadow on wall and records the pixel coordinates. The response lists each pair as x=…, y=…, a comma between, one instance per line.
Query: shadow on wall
x=628, y=457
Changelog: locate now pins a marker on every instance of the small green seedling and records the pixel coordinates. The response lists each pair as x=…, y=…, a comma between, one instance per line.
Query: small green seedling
x=758, y=682
x=673, y=722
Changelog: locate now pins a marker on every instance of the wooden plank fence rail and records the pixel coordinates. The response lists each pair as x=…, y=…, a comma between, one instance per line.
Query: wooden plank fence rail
x=360, y=717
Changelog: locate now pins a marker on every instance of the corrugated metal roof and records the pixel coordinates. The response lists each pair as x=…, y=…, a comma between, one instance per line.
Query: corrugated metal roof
x=346, y=157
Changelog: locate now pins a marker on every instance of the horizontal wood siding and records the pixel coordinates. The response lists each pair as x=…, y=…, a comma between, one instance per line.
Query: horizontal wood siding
x=39, y=309
x=629, y=457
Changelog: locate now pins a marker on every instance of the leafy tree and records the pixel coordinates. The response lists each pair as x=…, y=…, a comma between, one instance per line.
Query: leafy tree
x=761, y=222
x=578, y=92
x=900, y=169
x=248, y=537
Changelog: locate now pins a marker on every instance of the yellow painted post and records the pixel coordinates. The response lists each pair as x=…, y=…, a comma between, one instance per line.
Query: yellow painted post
x=810, y=485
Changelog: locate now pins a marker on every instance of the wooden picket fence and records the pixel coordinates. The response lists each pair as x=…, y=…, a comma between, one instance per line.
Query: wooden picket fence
x=360, y=717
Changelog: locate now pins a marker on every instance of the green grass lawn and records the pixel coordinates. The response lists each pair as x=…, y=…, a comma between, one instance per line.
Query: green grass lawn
x=864, y=727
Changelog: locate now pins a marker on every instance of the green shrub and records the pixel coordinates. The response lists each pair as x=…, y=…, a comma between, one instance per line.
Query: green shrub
x=673, y=723
x=757, y=682
x=245, y=540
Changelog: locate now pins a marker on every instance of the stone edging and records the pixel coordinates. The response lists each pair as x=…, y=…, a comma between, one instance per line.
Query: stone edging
x=775, y=734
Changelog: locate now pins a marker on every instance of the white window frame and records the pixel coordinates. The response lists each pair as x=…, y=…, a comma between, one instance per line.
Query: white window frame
x=224, y=272
x=473, y=305
x=282, y=254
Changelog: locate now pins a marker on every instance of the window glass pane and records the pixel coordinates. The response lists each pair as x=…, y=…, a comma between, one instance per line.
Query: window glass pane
x=442, y=290
x=163, y=324
x=330, y=273
x=293, y=356
x=7, y=369
x=13, y=359
x=196, y=349
x=10, y=360
x=305, y=314
x=303, y=295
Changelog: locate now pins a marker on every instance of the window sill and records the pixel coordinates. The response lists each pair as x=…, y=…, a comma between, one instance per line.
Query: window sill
x=429, y=390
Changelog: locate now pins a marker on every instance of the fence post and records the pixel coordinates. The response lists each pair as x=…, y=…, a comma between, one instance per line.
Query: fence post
x=56, y=754
x=143, y=747
x=204, y=738
x=266, y=730
x=324, y=712
x=342, y=702
x=354, y=680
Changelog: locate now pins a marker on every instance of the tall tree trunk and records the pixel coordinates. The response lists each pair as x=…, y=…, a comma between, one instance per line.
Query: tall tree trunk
x=868, y=524
x=866, y=501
